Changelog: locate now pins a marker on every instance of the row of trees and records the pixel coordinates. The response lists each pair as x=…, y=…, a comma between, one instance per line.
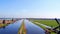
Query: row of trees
x=4, y=21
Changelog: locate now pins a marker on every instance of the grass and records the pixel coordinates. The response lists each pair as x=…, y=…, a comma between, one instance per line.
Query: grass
x=51, y=23
x=43, y=28
x=1, y=25
x=6, y=23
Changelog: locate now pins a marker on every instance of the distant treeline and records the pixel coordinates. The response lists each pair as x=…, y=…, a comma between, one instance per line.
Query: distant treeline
x=42, y=19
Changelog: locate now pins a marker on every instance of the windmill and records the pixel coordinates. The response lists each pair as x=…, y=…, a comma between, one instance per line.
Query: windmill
x=58, y=27
x=55, y=28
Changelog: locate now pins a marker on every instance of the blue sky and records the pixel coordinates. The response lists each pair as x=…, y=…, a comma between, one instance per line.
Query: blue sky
x=30, y=8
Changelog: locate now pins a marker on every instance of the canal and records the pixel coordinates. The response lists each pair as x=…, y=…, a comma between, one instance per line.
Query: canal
x=32, y=28
x=14, y=28
x=11, y=28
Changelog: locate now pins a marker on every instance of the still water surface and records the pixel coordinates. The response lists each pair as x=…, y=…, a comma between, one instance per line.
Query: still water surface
x=32, y=28
x=11, y=28
x=14, y=28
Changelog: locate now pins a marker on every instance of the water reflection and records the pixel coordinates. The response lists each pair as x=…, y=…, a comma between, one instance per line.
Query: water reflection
x=14, y=28
x=11, y=28
x=2, y=27
x=32, y=28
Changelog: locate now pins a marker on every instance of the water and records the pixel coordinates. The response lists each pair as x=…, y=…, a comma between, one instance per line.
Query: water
x=14, y=28
x=32, y=28
x=11, y=28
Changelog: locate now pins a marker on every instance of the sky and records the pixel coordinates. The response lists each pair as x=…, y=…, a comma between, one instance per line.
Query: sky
x=30, y=8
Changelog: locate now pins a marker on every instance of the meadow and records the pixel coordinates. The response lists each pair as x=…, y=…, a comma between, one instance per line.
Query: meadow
x=48, y=22
x=51, y=23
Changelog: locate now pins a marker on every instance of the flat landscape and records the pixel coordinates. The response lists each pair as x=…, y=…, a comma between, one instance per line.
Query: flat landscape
x=29, y=26
x=51, y=23
x=45, y=23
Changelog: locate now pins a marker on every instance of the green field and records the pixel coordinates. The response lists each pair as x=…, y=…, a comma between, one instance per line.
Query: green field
x=51, y=23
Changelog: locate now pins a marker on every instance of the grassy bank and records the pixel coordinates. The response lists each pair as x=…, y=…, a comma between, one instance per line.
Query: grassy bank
x=6, y=22
x=2, y=25
x=51, y=23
